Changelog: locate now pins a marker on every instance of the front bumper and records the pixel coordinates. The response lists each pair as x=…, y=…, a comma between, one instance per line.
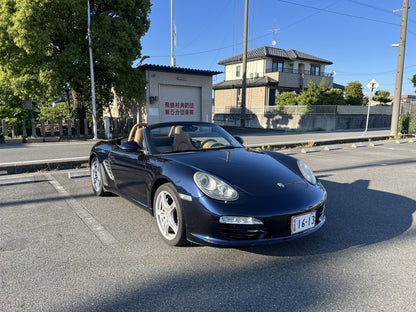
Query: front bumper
x=206, y=240
x=203, y=226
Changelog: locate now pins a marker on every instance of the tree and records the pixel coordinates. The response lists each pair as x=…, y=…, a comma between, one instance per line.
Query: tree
x=382, y=96
x=414, y=80
x=354, y=93
x=44, y=49
x=312, y=96
x=11, y=110
x=333, y=97
x=287, y=98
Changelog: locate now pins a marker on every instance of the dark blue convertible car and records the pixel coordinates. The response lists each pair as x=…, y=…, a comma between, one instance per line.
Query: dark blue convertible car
x=203, y=186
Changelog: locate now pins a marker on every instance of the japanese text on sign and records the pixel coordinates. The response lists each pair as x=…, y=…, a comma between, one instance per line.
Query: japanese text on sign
x=179, y=108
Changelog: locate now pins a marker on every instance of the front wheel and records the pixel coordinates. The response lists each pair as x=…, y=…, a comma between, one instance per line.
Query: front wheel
x=96, y=177
x=167, y=209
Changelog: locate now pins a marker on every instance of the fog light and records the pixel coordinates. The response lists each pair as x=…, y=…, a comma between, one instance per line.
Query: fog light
x=239, y=220
x=322, y=214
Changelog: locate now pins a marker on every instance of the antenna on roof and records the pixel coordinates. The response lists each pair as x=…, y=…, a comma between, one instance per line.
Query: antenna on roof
x=274, y=31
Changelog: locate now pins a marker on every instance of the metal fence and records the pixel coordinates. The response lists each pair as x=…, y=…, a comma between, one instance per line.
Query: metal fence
x=408, y=108
x=65, y=128
x=305, y=109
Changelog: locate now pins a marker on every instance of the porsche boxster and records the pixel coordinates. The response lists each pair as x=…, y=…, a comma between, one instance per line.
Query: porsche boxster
x=203, y=186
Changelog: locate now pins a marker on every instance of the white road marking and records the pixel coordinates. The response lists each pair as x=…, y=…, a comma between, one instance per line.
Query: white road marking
x=99, y=231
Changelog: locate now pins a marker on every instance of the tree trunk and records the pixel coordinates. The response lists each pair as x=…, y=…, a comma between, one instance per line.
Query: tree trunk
x=79, y=108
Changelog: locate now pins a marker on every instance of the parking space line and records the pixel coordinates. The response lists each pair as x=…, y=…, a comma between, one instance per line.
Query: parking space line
x=99, y=231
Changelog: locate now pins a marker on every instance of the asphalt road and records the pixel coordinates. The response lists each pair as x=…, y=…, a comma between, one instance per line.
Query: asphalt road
x=62, y=249
x=20, y=154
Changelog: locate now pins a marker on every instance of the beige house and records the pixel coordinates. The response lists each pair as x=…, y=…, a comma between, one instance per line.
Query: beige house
x=269, y=72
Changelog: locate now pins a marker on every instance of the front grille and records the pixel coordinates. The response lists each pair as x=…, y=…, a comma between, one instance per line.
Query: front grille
x=242, y=231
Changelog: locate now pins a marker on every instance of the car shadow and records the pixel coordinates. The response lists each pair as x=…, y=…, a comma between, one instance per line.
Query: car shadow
x=224, y=279
x=356, y=216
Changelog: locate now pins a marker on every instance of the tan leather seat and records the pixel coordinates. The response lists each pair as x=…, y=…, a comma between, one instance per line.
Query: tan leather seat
x=181, y=140
x=136, y=133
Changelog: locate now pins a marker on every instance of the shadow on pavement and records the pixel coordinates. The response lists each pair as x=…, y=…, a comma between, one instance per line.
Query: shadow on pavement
x=356, y=217
x=282, y=277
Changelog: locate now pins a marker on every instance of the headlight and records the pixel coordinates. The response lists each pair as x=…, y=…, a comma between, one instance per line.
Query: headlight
x=214, y=188
x=306, y=172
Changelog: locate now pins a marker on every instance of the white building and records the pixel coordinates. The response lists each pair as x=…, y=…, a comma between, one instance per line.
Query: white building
x=177, y=94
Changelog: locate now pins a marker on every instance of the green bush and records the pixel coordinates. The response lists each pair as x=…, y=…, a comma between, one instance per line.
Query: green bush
x=407, y=124
x=412, y=124
x=59, y=111
x=287, y=98
x=404, y=124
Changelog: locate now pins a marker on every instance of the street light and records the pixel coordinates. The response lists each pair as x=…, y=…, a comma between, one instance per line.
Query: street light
x=94, y=112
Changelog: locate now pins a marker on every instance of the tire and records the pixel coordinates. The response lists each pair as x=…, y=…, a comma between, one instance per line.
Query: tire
x=168, y=212
x=97, y=177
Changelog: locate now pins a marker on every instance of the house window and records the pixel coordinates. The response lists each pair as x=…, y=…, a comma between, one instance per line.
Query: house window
x=238, y=98
x=277, y=66
x=238, y=71
x=315, y=70
x=272, y=97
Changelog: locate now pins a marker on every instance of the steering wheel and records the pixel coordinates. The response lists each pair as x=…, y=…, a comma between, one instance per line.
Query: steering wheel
x=208, y=141
x=212, y=143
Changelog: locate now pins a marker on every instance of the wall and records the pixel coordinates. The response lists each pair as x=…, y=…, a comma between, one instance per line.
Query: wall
x=227, y=98
x=156, y=79
x=347, y=117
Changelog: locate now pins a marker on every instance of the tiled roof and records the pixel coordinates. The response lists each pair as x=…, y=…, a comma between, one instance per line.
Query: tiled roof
x=179, y=70
x=256, y=82
x=264, y=52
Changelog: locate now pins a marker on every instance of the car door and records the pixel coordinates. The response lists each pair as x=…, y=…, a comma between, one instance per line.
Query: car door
x=131, y=174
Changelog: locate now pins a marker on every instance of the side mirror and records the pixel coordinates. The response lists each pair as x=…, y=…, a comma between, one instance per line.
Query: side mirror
x=239, y=139
x=130, y=146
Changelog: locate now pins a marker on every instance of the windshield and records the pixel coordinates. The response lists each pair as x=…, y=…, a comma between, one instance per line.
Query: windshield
x=184, y=137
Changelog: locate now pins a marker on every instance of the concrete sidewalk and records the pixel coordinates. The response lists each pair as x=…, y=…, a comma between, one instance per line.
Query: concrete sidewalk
x=292, y=139
x=30, y=157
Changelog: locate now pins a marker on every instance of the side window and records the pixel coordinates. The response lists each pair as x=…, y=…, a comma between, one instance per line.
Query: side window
x=238, y=71
x=315, y=70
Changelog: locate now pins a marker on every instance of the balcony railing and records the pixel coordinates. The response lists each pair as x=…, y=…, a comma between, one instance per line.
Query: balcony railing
x=298, y=71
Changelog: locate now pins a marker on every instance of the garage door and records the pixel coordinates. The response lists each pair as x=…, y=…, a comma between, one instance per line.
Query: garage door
x=180, y=103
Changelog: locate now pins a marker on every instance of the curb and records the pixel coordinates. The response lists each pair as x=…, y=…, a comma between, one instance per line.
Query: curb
x=48, y=166
x=21, y=167
x=320, y=142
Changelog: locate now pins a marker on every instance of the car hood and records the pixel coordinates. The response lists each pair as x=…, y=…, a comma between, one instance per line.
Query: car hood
x=247, y=169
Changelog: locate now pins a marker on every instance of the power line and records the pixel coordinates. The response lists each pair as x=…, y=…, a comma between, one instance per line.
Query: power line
x=338, y=13
x=238, y=43
x=379, y=9
x=341, y=73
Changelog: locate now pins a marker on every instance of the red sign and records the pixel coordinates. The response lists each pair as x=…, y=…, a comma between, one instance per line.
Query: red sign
x=179, y=108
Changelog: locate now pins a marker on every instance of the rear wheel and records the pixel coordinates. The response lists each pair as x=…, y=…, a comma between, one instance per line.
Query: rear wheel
x=169, y=217
x=96, y=177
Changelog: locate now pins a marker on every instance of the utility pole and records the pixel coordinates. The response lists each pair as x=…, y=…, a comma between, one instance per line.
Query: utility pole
x=244, y=71
x=94, y=112
x=172, y=36
x=399, y=74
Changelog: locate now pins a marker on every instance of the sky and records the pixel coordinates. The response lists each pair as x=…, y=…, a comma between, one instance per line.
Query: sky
x=356, y=35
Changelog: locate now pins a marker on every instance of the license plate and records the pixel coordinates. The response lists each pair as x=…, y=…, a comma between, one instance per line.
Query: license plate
x=303, y=222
